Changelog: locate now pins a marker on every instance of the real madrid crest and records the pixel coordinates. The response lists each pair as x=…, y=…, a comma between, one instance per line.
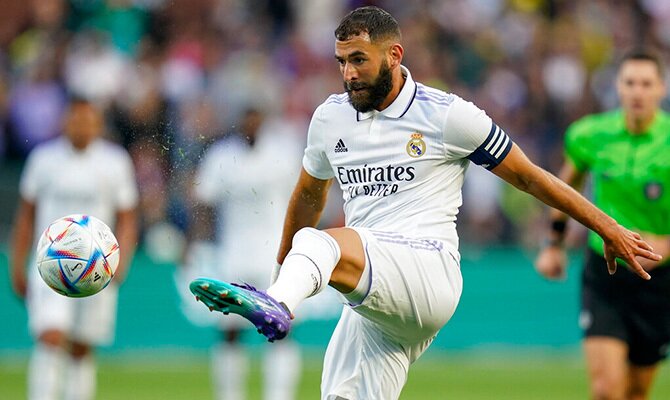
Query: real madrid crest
x=416, y=147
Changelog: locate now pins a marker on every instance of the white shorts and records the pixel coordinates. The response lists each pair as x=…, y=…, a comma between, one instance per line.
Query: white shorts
x=88, y=320
x=415, y=287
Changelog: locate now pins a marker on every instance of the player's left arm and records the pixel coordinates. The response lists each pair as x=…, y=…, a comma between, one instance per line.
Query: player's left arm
x=523, y=174
x=24, y=226
x=126, y=234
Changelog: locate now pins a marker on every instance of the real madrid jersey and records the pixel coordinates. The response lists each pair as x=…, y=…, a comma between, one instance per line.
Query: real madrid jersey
x=401, y=169
x=61, y=180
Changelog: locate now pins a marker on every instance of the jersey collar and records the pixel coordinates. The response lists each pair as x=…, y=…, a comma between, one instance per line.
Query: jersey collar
x=400, y=105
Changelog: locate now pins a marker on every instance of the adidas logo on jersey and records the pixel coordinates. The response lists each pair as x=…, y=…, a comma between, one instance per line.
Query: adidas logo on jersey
x=340, y=147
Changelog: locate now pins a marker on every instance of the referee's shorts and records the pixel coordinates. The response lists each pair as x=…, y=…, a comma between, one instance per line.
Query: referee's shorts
x=628, y=308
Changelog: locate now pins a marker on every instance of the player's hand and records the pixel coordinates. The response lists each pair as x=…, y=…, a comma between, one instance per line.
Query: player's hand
x=19, y=282
x=660, y=244
x=628, y=245
x=551, y=262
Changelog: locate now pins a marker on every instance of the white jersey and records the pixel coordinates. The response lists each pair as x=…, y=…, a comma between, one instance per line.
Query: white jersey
x=62, y=180
x=401, y=169
x=250, y=188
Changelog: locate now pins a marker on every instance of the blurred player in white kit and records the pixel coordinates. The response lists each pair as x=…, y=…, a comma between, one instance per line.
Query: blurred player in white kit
x=398, y=150
x=244, y=184
x=78, y=172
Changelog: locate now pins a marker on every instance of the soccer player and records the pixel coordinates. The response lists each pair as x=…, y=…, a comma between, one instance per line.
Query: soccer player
x=78, y=172
x=399, y=150
x=244, y=183
x=626, y=320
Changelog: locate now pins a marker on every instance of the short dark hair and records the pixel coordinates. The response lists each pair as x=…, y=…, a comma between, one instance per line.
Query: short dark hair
x=374, y=21
x=642, y=54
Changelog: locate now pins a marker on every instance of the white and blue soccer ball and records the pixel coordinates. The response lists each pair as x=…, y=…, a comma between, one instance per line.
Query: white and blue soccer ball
x=77, y=255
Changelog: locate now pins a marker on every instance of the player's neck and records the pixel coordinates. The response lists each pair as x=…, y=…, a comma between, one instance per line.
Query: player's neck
x=638, y=126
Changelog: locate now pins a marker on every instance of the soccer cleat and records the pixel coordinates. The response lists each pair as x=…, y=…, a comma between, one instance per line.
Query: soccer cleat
x=271, y=318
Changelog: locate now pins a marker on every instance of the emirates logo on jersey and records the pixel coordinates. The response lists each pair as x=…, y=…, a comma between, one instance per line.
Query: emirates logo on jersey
x=416, y=147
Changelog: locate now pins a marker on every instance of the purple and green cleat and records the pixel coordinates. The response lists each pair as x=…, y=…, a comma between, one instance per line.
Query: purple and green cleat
x=271, y=318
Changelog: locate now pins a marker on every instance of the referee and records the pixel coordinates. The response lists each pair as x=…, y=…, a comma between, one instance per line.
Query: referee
x=626, y=320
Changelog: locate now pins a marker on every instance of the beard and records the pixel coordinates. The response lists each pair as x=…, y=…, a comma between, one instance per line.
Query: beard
x=373, y=94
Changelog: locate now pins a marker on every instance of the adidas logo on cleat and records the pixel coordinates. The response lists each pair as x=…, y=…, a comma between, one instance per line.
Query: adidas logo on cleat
x=340, y=147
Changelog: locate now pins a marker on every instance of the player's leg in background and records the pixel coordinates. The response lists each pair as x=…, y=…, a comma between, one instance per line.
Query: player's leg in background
x=93, y=324
x=45, y=366
x=641, y=379
x=230, y=366
x=282, y=367
x=80, y=372
x=50, y=317
x=607, y=367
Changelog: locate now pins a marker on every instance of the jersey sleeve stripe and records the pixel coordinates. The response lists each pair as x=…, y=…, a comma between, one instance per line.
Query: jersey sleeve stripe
x=498, y=151
x=495, y=141
x=490, y=137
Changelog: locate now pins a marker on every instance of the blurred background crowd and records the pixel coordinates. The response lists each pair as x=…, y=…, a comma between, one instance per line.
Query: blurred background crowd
x=174, y=75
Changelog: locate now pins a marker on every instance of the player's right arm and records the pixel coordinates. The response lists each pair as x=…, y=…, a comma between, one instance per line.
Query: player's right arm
x=304, y=209
x=551, y=262
x=22, y=240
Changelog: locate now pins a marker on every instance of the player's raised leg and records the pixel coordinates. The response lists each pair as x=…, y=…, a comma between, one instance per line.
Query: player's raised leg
x=316, y=259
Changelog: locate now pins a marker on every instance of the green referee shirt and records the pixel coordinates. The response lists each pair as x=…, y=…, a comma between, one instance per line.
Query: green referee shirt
x=630, y=172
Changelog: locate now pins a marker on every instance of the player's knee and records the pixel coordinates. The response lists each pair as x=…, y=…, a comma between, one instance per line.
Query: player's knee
x=309, y=235
x=80, y=350
x=603, y=388
x=53, y=338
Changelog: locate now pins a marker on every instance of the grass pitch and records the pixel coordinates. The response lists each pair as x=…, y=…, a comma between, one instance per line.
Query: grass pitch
x=461, y=376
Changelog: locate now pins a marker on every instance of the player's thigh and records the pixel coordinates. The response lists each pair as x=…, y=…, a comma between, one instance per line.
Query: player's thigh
x=47, y=310
x=415, y=285
x=95, y=318
x=607, y=364
x=362, y=362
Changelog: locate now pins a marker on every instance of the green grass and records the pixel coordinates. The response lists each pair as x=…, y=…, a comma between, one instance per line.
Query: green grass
x=462, y=376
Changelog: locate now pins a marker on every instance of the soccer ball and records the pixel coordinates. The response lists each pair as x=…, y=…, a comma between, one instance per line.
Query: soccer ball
x=77, y=255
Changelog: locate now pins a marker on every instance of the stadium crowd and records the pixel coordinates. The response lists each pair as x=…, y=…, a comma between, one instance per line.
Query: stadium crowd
x=174, y=75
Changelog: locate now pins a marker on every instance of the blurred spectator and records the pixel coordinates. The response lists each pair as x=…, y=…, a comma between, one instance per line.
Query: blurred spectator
x=36, y=104
x=176, y=74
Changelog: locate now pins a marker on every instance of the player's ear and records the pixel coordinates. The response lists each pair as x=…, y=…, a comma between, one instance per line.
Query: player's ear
x=395, y=55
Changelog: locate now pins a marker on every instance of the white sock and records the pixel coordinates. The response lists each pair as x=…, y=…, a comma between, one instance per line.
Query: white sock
x=80, y=375
x=230, y=368
x=282, y=368
x=307, y=268
x=44, y=372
